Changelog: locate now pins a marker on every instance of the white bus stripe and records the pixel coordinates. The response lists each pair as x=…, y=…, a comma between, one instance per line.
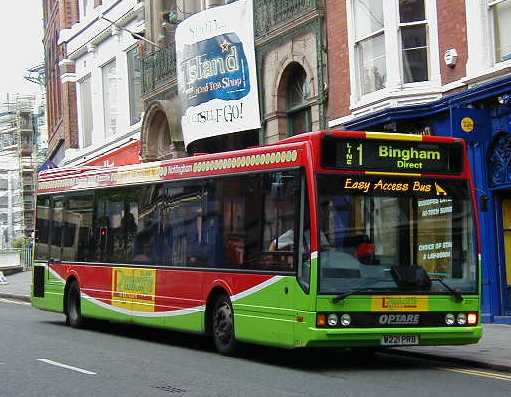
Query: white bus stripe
x=57, y=364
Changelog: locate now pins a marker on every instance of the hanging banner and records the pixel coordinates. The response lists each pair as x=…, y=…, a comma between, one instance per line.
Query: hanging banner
x=216, y=72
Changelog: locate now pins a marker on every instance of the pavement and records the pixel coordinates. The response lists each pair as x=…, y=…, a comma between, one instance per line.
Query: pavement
x=492, y=352
x=18, y=286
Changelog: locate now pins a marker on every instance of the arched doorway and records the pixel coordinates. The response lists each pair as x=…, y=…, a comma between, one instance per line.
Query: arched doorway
x=157, y=139
x=294, y=95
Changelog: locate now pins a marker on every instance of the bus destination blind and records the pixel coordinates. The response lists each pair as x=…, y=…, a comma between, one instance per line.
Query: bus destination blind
x=392, y=156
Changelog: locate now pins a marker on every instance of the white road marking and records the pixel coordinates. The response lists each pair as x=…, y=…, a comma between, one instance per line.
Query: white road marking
x=15, y=302
x=57, y=364
x=482, y=373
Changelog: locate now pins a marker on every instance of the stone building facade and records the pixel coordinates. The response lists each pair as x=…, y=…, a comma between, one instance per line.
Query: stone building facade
x=291, y=63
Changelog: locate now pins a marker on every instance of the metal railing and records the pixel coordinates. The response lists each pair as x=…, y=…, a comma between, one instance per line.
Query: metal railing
x=17, y=257
x=158, y=68
x=269, y=14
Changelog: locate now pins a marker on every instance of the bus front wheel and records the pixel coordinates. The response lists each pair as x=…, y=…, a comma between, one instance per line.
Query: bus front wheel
x=73, y=310
x=223, y=326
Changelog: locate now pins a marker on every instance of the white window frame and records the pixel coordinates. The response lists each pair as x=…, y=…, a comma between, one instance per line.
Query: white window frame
x=131, y=89
x=491, y=23
x=481, y=64
x=107, y=133
x=394, y=85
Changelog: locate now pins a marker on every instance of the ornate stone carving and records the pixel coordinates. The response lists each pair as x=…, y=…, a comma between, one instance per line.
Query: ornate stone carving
x=499, y=169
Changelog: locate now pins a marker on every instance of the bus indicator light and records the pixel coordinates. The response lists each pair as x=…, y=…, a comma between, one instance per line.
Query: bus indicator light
x=472, y=319
x=321, y=320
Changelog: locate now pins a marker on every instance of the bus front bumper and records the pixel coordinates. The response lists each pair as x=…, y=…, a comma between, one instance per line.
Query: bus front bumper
x=373, y=337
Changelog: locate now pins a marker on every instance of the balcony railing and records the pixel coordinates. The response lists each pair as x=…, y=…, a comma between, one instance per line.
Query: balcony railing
x=268, y=14
x=160, y=66
x=157, y=68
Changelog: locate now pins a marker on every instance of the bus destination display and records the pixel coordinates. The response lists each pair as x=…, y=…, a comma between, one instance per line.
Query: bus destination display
x=392, y=156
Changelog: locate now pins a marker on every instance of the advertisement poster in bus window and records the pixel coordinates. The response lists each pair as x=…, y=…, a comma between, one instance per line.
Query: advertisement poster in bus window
x=434, y=236
x=216, y=71
x=134, y=288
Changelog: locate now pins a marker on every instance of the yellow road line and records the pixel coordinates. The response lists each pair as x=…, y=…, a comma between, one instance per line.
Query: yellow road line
x=484, y=374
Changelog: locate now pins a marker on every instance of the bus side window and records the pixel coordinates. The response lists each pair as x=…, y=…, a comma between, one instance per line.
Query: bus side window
x=42, y=228
x=57, y=223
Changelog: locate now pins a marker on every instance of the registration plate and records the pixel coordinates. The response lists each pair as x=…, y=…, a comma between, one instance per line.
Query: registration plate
x=399, y=340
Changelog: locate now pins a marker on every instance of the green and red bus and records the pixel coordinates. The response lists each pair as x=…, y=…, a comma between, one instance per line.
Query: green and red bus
x=324, y=239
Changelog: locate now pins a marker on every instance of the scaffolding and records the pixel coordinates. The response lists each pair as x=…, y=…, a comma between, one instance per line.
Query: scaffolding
x=20, y=152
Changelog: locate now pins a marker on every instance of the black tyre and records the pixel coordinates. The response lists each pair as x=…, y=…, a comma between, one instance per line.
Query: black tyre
x=223, y=326
x=73, y=310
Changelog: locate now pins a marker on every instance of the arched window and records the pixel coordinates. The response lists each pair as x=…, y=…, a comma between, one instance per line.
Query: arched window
x=297, y=95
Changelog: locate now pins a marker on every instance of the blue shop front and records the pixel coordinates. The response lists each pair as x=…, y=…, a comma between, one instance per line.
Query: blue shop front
x=482, y=116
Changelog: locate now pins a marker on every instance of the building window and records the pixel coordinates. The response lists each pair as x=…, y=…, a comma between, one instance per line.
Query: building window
x=391, y=43
x=370, y=44
x=298, y=108
x=86, y=111
x=501, y=15
x=135, y=85
x=85, y=7
x=109, y=72
x=414, y=47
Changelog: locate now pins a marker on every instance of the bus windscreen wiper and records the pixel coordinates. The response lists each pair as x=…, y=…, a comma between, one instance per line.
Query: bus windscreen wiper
x=458, y=297
x=344, y=295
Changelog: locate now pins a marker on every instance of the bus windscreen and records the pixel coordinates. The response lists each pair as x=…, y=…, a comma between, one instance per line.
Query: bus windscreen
x=375, y=224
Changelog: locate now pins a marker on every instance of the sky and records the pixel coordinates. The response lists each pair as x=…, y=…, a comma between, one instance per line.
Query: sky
x=21, y=33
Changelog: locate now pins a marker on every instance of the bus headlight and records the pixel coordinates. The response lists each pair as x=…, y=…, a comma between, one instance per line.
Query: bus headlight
x=345, y=320
x=461, y=319
x=449, y=319
x=333, y=320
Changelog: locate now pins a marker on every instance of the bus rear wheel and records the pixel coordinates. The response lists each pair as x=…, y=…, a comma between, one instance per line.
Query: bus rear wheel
x=223, y=326
x=73, y=308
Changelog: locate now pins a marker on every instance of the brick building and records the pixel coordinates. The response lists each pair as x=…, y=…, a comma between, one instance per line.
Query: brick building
x=60, y=92
x=94, y=80
x=439, y=67
x=291, y=70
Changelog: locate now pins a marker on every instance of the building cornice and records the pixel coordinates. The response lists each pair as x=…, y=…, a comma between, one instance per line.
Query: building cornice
x=477, y=93
x=95, y=29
